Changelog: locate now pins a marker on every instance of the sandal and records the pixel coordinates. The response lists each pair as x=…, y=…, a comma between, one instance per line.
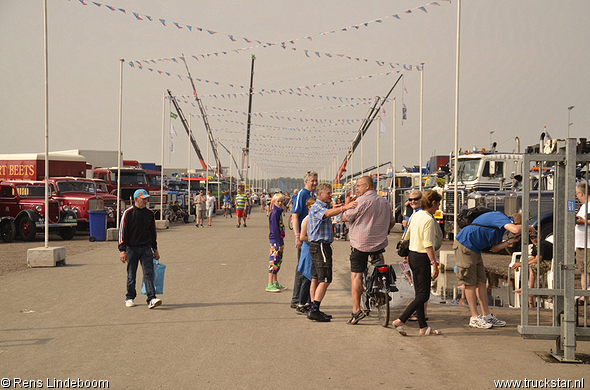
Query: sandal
x=356, y=317
x=400, y=329
x=430, y=331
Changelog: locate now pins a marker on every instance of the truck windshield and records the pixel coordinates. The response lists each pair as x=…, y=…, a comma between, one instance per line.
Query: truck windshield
x=76, y=186
x=129, y=178
x=154, y=181
x=102, y=188
x=177, y=186
x=30, y=191
x=467, y=171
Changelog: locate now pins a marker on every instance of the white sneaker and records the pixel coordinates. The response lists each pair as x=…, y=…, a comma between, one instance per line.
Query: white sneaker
x=479, y=322
x=154, y=302
x=492, y=319
x=129, y=303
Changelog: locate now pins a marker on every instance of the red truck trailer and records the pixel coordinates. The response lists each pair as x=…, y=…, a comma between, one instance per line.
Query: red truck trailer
x=31, y=166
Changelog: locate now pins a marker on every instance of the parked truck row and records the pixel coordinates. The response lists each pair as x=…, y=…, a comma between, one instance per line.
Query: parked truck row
x=71, y=194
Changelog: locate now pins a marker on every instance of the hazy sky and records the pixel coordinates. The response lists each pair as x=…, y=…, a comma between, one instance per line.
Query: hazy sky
x=523, y=63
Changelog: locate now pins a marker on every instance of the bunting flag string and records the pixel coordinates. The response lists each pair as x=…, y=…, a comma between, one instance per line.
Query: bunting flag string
x=299, y=91
x=217, y=116
x=269, y=113
x=237, y=38
x=308, y=53
x=256, y=137
x=318, y=129
x=276, y=117
x=261, y=113
x=310, y=129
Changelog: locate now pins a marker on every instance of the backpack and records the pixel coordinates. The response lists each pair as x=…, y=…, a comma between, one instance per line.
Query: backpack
x=467, y=216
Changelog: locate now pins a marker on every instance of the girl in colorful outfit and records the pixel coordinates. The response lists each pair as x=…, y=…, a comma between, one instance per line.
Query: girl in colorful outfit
x=276, y=236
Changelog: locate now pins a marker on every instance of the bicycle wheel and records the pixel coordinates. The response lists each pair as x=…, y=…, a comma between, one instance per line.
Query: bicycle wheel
x=382, y=303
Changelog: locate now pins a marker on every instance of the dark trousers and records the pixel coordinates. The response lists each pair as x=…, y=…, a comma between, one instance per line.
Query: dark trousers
x=304, y=295
x=422, y=276
x=298, y=281
x=145, y=256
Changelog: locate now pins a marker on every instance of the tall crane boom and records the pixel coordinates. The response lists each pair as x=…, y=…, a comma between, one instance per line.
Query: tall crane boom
x=246, y=150
x=363, y=129
x=204, y=116
x=232, y=157
x=188, y=132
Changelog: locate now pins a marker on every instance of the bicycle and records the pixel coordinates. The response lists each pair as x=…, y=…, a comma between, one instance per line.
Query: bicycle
x=378, y=281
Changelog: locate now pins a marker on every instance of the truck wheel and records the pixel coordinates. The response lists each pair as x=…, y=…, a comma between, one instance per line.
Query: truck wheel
x=27, y=229
x=546, y=230
x=67, y=233
x=7, y=231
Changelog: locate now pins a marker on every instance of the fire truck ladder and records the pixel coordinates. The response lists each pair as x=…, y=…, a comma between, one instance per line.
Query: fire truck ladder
x=232, y=157
x=204, y=116
x=373, y=112
x=188, y=132
x=246, y=150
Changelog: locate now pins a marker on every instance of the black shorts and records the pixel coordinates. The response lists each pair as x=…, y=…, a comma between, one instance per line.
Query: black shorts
x=358, y=259
x=321, y=261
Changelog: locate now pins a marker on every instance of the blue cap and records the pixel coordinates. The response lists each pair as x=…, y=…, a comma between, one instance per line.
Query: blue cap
x=141, y=194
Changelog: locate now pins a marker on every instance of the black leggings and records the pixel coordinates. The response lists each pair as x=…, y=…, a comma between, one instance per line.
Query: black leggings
x=421, y=276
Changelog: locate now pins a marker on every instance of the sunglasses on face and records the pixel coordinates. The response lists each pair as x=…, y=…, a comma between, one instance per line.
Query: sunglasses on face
x=414, y=199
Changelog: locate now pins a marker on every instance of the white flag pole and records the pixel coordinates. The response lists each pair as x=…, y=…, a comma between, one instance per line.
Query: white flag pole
x=162, y=157
x=46, y=125
x=119, y=197
x=393, y=156
x=421, y=124
x=379, y=151
x=455, y=194
x=188, y=169
x=207, y=177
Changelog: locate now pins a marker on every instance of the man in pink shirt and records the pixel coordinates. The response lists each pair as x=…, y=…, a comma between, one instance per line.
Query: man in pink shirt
x=370, y=223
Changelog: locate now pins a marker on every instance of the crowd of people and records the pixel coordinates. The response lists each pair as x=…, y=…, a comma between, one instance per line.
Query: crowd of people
x=370, y=219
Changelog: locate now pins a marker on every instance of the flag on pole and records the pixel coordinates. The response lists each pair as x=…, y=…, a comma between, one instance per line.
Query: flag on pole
x=404, y=112
x=173, y=115
x=550, y=144
x=172, y=130
x=382, y=128
x=171, y=144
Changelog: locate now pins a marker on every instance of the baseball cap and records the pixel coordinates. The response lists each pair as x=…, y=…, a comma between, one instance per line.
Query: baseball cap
x=141, y=194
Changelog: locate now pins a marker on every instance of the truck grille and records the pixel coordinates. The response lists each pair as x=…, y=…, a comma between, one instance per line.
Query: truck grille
x=95, y=204
x=53, y=212
x=449, y=206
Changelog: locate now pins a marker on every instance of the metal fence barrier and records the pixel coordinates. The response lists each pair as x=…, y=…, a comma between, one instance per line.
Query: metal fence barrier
x=569, y=321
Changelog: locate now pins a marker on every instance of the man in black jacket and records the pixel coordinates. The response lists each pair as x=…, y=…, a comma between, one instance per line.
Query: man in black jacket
x=137, y=239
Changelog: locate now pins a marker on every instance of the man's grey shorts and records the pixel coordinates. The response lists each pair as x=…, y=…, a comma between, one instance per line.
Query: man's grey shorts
x=470, y=268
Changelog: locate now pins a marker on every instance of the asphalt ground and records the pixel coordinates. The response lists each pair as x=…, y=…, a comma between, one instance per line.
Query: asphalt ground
x=219, y=329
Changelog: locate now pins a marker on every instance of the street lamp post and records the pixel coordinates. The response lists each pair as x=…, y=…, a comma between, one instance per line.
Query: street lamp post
x=569, y=110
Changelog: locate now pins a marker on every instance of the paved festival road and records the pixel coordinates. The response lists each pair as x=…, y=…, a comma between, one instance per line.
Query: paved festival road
x=219, y=329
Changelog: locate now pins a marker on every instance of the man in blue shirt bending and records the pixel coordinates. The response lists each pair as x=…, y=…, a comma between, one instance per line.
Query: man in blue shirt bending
x=485, y=231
